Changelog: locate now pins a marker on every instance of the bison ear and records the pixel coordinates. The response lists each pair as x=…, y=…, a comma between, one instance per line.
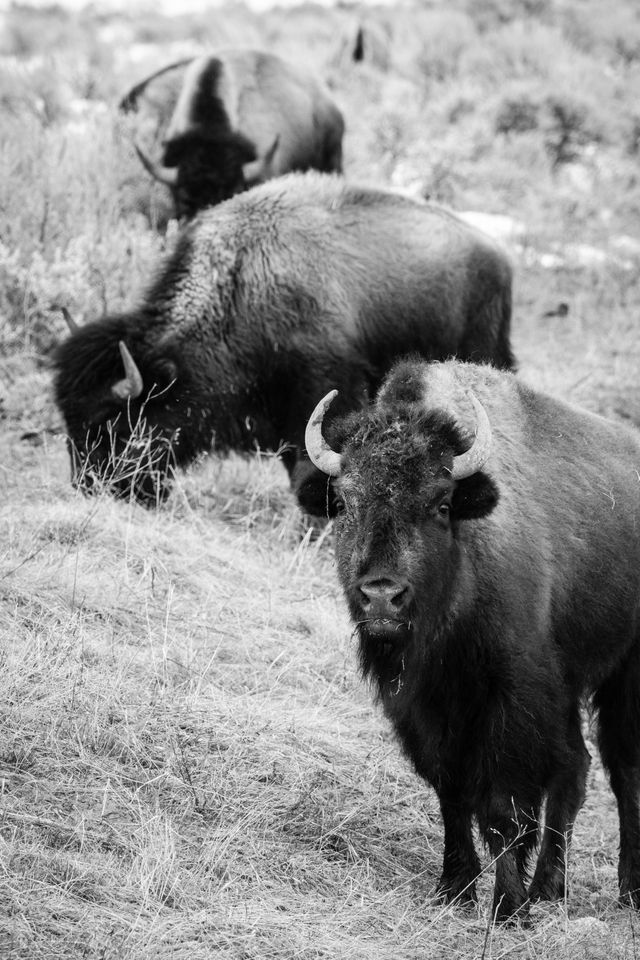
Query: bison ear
x=474, y=497
x=165, y=372
x=314, y=490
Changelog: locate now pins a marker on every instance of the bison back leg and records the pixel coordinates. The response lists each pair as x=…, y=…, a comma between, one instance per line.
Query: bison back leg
x=487, y=337
x=618, y=705
x=565, y=797
x=510, y=830
x=460, y=866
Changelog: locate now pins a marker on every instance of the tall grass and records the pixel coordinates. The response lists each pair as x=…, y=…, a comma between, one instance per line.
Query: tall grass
x=189, y=764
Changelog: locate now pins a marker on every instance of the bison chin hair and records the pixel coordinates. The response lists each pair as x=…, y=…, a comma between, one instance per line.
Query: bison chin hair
x=384, y=648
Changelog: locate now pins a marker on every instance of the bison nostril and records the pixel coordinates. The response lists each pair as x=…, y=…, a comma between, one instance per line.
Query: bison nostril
x=399, y=599
x=366, y=599
x=381, y=593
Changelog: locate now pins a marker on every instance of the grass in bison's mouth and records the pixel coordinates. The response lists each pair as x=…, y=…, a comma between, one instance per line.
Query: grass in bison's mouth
x=385, y=627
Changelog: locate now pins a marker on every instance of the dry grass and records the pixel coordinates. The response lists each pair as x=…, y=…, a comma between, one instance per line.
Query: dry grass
x=189, y=764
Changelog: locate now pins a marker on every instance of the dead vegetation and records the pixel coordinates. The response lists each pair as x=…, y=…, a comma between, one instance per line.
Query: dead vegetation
x=189, y=765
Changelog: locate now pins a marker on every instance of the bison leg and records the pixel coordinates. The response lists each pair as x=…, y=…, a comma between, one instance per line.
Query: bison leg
x=566, y=796
x=510, y=834
x=487, y=333
x=619, y=740
x=460, y=865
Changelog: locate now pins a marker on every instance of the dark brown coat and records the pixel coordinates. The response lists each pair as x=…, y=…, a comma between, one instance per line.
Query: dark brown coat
x=268, y=300
x=488, y=607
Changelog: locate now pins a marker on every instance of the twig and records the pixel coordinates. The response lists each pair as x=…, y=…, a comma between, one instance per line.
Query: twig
x=25, y=560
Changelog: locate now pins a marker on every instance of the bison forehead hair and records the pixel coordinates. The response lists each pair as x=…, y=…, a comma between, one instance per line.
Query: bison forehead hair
x=398, y=448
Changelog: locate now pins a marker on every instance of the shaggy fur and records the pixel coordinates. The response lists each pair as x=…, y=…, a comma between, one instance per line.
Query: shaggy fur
x=489, y=607
x=270, y=299
x=229, y=111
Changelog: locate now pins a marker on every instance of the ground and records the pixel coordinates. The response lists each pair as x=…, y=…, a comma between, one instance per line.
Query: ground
x=190, y=765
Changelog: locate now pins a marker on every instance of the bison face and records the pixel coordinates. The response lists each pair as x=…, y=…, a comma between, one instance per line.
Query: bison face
x=198, y=185
x=208, y=170
x=125, y=433
x=203, y=169
x=123, y=455
x=401, y=502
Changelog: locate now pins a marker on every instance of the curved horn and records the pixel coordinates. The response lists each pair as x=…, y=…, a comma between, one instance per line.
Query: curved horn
x=131, y=386
x=166, y=175
x=320, y=453
x=271, y=152
x=260, y=169
x=473, y=459
x=71, y=323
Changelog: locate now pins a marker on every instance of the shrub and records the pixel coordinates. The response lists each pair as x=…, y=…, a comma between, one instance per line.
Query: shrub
x=490, y=14
x=518, y=51
x=517, y=113
x=445, y=36
x=568, y=124
x=606, y=30
x=566, y=121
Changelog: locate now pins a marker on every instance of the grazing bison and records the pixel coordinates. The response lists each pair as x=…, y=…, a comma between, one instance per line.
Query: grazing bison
x=241, y=117
x=495, y=581
x=267, y=300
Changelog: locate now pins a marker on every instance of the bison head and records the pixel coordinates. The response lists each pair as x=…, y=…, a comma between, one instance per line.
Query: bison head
x=403, y=487
x=202, y=171
x=124, y=410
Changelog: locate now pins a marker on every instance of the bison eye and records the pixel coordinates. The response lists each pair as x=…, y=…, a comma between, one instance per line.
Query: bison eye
x=444, y=510
x=338, y=504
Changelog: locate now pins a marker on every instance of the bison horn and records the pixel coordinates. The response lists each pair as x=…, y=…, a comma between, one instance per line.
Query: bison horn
x=474, y=458
x=261, y=169
x=131, y=386
x=71, y=323
x=320, y=453
x=271, y=152
x=166, y=175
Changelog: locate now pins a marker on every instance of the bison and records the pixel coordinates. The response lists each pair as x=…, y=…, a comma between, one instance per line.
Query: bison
x=488, y=544
x=241, y=117
x=267, y=300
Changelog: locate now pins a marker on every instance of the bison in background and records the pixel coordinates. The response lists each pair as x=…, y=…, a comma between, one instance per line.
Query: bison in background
x=366, y=42
x=241, y=117
x=494, y=586
x=267, y=301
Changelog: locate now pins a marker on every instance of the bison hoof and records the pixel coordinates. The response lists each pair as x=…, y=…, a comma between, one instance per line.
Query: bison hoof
x=630, y=897
x=547, y=890
x=509, y=910
x=460, y=891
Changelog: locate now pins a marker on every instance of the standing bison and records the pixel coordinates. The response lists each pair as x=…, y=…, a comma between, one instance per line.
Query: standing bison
x=241, y=117
x=268, y=300
x=495, y=581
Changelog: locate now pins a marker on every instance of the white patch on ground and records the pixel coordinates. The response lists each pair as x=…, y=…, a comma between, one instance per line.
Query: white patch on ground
x=497, y=225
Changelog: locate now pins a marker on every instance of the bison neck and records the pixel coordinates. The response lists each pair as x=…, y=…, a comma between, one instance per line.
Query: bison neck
x=446, y=702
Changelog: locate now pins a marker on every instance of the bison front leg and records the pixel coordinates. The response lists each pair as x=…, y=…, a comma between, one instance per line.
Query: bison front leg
x=509, y=833
x=619, y=739
x=565, y=797
x=626, y=786
x=460, y=863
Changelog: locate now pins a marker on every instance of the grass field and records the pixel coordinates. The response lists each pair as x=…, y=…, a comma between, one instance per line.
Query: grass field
x=190, y=766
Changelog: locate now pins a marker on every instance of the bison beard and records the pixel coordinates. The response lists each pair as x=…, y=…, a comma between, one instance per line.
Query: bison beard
x=476, y=583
